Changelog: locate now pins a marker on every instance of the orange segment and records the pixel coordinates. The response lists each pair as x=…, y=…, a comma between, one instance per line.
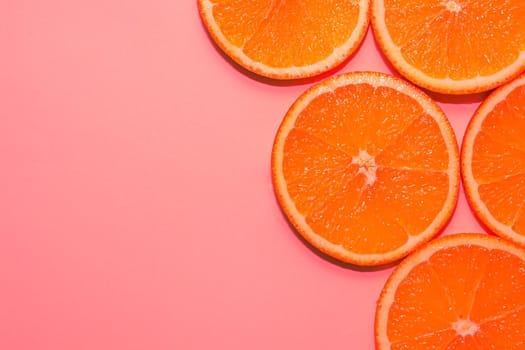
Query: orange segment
x=418, y=147
x=463, y=342
x=324, y=161
x=452, y=46
x=351, y=119
x=286, y=39
x=420, y=13
x=461, y=292
x=239, y=19
x=504, y=199
x=505, y=125
x=493, y=161
x=461, y=283
x=365, y=167
x=409, y=200
x=288, y=18
x=427, y=312
x=499, y=293
x=505, y=332
x=432, y=341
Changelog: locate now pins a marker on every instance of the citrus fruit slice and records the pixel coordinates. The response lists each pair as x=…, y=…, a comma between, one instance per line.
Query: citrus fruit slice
x=286, y=39
x=365, y=167
x=452, y=46
x=458, y=292
x=493, y=161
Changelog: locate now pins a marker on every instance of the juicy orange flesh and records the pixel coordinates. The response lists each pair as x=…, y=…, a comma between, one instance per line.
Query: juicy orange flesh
x=467, y=342
x=498, y=160
x=481, y=38
x=465, y=282
x=430, y=341
x=503, y=333
x=286, y=33
x=337, y=200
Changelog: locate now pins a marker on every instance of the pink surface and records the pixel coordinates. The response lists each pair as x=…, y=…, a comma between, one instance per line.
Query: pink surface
x=136, y=207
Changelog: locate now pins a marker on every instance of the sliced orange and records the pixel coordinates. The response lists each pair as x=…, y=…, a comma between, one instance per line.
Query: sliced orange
x=458, y=292
x=452, y=46
x=366, y=167
x=493, y=161
x=286, y=39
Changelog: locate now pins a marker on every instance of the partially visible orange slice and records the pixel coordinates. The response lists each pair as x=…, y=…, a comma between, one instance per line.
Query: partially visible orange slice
x=366, y=167
x=452, y=46
x=286, y=39
x=459, y=292
x=493, y=161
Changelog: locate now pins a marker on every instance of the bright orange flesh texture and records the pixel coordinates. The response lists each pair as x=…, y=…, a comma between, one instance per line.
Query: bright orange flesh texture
x=482, y=38
x=286, y=33
x=471, y=283
x=498, y=161
x=331, y=192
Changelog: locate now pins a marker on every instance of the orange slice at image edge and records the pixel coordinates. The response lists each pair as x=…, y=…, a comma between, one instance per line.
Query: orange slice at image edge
x=286, y=39
x=452, y=46
x=462, y=292
x=493, y=161
x=366, y=168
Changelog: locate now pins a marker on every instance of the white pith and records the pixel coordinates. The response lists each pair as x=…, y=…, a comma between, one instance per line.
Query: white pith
x=367, y=166
x=465, y=327
x=452, y=6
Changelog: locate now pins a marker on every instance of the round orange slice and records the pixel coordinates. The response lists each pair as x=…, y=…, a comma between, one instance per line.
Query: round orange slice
x=460, y=292
x=286, y=39
x=493, y=161
x=452, y=46
x=366, y=167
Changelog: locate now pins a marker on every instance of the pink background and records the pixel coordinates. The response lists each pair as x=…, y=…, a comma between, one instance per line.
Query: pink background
x=136, y=207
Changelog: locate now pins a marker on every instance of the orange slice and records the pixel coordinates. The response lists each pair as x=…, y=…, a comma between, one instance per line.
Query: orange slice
x=458, y=292
x=493, y=161
x=286, y=39
x=452, y=46
x=366, y=167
